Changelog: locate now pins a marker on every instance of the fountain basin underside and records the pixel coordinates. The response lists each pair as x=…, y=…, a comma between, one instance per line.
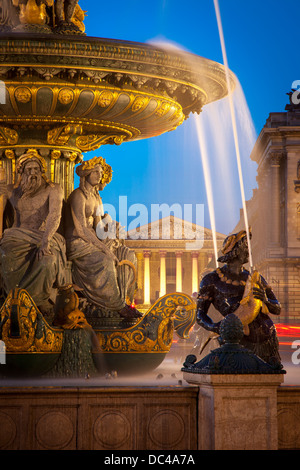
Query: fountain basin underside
x=75, y=94
x=24, y=365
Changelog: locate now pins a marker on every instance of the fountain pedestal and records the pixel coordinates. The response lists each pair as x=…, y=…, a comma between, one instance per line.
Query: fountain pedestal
x=237, y=394
x=237, y=412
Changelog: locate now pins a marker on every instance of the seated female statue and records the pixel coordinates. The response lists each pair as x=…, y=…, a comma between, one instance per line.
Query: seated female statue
x=103, y=268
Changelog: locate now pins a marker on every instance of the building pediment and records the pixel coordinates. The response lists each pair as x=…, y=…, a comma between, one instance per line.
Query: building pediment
x=172, y=228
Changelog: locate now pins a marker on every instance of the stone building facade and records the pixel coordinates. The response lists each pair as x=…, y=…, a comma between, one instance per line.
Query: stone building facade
x=274, y=210
x=172, y=255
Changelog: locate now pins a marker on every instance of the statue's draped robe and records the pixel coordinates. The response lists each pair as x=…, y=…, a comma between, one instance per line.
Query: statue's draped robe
x=104, y=284
x=20, y=266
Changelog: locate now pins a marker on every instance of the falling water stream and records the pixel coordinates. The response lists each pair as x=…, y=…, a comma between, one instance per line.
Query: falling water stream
x=234, y=127
x=208, y=183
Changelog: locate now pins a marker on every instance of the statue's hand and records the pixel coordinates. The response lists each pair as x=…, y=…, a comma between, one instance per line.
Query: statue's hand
x=109, y=252
x=260, y=294
x=208, y=324
x=216, y=327
x=43, y=250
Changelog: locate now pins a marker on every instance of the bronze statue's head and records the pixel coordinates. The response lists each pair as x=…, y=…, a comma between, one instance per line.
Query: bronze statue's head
x=235, y=246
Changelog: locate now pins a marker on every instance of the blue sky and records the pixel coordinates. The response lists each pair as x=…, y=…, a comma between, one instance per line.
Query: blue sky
x=262, y=50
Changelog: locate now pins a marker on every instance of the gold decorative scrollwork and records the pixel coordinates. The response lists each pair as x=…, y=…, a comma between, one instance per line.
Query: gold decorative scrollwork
x=165, y=334
x=71, y=156
x=8, y=136
x=118, y=139
x=86, y=143
x=34, y=335
x=185, y=317
x=154, y=332
x=10, y=154
x=55, y=154
x=61, y=135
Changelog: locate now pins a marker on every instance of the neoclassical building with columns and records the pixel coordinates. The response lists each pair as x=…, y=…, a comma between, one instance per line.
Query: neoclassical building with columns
x=172, y=255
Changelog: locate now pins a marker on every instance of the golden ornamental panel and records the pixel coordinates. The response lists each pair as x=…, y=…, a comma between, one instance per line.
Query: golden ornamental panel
x=65, y=96
x=32, y=334
x=105, y=99
x=154, y=332
x=92, y=106
x=23, y=94
x=8, y=136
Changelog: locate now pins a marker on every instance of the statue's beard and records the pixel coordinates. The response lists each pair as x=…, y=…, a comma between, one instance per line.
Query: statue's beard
x=30, y=184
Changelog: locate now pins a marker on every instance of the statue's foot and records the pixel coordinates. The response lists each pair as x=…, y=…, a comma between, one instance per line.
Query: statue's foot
x=130, y=312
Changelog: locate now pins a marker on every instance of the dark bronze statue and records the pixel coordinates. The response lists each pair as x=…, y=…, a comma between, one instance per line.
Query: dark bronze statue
x=103, y=268
x=32, y=252
x=225, y=289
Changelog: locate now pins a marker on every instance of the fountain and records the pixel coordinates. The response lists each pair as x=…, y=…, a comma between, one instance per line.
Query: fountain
x=67, y=94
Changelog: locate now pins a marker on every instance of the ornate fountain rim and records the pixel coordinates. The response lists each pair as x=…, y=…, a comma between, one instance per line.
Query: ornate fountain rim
x=136, y=62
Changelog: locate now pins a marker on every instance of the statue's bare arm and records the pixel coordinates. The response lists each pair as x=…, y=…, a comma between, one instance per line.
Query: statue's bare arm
x=53, y=219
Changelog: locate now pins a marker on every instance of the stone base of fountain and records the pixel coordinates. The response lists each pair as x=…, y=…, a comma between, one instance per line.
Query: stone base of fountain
x=115, y=416
x=237, y=412
x=88, y=417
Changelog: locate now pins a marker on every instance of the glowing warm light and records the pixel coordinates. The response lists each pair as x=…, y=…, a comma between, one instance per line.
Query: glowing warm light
x=195, y=280
x=162, y=274
x=146, y=279
x=178, y=273
x=287, y=331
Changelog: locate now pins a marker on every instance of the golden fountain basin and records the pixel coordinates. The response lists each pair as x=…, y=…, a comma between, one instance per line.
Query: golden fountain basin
x=34, y=347
x=77, y=93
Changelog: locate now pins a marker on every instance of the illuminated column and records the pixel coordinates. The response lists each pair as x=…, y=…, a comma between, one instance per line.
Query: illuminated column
x=163, y=278
x=140, y=274
x=195, y=285
x=209, y=258
x=147, y=277
x=178, y=272
x=275, y=196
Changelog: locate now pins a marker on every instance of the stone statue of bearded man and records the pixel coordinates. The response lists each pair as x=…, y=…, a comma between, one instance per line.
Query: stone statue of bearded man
x=32, y=253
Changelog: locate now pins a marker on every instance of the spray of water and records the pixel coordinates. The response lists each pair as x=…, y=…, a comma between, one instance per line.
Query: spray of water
x=217, y=137
x=208, y=184
x=234, y=127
